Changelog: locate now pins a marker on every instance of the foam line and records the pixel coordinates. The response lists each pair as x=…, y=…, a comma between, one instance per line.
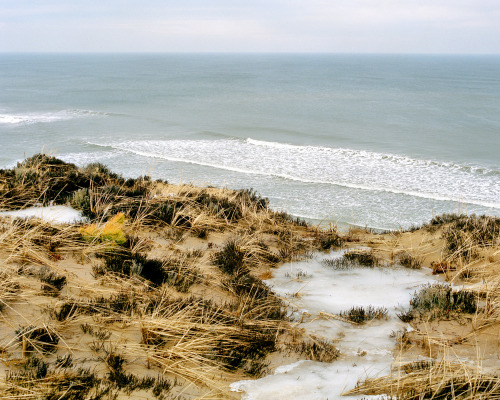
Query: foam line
x=369, y=171
x=47, y=117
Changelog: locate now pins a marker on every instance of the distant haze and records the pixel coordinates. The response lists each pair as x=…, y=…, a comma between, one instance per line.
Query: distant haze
x=346, y=26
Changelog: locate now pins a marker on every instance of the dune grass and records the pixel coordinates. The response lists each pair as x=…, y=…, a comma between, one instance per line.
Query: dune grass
x=158, y=294
x=130, y=315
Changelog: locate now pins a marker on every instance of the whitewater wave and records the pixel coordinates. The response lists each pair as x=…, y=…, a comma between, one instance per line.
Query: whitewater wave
x=83, y=159
x=378, y=156
x=47, y=117
x=355, y=169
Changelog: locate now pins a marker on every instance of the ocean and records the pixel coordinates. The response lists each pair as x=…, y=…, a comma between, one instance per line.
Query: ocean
x=382, y=141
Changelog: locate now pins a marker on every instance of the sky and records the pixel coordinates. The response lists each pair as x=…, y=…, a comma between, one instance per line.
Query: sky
x=332, y=26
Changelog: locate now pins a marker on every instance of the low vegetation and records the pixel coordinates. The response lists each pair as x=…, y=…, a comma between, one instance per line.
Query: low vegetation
x=352, y=259
x=440, y=380
x=160, y=292
x=120, y=306
x=409, y=261
x=360, y=315
x=438, y=300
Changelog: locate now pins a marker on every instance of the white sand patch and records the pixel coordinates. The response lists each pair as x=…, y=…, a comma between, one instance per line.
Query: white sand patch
x=53, y=214
x=366, y=350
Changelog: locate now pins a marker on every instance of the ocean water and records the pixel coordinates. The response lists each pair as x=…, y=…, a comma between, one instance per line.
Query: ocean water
x=384, y=141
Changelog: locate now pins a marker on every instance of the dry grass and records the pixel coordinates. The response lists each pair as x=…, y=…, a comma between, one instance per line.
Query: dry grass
x=125, y=298
x=436, y=380
x=148, y=315
x=457, y=330
x=42, y=243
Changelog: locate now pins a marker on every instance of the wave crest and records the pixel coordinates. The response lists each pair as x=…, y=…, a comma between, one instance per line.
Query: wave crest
x=356, y=169
x=47, y=117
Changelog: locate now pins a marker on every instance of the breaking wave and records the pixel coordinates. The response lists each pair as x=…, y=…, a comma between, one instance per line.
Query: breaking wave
x=356, y=169
x=46, y=117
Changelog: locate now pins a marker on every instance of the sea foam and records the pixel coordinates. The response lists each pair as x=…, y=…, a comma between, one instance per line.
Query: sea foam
x=356, y=169
x=46, y=117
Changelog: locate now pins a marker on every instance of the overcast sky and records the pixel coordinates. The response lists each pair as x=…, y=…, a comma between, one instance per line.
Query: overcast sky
x=359, y=26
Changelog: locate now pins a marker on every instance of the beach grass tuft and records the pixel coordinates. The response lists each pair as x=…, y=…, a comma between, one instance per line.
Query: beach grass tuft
x=360, y=315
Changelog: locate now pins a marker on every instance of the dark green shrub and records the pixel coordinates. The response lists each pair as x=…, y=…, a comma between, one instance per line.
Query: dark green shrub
x=363, y=258
x=437, y=300
x=282, y=216
x=360, y=315
x=339, y=263
x=230, y=258
x=53, y=282
x=129, y=382
x=121, y=303
x=223, y=207
x=156, y=272
x=406, y=316
x=409, y=261
x=80, y=200
x=316, y=349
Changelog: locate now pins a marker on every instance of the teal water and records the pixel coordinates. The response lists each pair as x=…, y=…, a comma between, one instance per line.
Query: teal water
x=384, y=141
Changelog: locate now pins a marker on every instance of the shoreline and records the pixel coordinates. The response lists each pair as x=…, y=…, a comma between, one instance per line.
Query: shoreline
x=161, y=292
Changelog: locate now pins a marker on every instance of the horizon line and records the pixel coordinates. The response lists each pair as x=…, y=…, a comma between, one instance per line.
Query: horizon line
x=241, y=53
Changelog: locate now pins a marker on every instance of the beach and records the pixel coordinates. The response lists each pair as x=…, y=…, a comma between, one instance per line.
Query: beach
x=177, y=291
x=249, y=226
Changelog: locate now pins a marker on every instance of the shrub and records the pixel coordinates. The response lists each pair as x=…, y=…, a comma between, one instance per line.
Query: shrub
x=53, y=282
x=360, y=315
x=80, y=200
x=230, y=259
x=438, y=299
x=316, y=349
x=155, y=271
x=338, y=263
x=363, y=258
x=409, y=261
x=96, y=168
x=282, y=216
x=465, y=233
x=329, y=238
x=223, y=207
x=122, y=303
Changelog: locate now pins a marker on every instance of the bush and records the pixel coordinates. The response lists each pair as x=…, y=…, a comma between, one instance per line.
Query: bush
x=438, y=299
x=282, y=216
x=363, y=258
x=230, y=259
x=155, y=271
x=465, y=233
x=53, y=282
x=409, y=261
x=316, y=349
x=329, y=238
x=338, y=264
x=111, y=232
x=360, y=315
x=80, y=200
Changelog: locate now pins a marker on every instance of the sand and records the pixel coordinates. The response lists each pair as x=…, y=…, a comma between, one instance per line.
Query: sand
x=268, y=323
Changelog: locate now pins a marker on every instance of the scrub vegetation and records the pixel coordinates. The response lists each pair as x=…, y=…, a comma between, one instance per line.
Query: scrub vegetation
x=159, y=292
